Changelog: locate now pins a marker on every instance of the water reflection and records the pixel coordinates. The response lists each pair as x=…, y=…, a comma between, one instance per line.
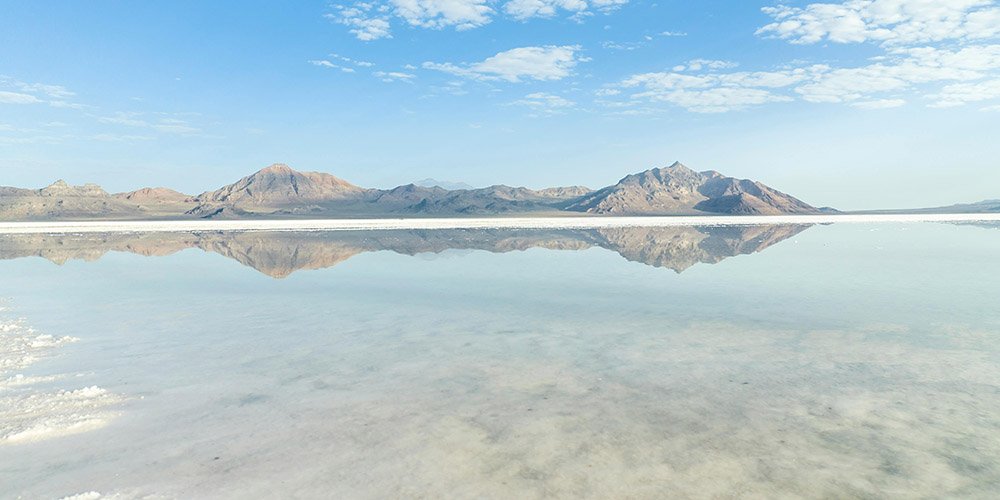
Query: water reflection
x=279, y=254
x=865, y=364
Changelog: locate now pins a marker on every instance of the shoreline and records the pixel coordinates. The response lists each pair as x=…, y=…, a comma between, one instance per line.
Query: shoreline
x=472, y=223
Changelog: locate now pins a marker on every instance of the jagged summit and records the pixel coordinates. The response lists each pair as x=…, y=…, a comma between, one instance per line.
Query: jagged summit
x=677, y=189
x=276, y=168
x=63, y=188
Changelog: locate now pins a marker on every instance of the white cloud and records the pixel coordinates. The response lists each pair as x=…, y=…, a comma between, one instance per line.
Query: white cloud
x=525, y=9
x=968, y=74
x=673, y=33
x=700, y=64
x=372, y=20
x=363, y=24
x=549, y=104
x=710, y=93
x=394, y=76
x=166, y=124
x=607, y=5
x=123, y=118
x=903, y=69
x=326, y=63
x=54, y=91
x=33, y=90
x=622, y=45
x=580, y=9
x=851, y=84
x=17, y=98
x=960, y=94
x=462, y=14
x=174, y=128
x=891, y=22
x=119, y=138
x=68, y=105
x=879, y=104
x=323, y=63
x=532, y=63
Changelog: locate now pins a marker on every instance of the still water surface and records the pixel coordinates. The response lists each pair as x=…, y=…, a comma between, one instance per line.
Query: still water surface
x=854, y=360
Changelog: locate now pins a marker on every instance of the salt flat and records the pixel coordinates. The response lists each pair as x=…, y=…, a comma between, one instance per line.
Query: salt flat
x=470, y=223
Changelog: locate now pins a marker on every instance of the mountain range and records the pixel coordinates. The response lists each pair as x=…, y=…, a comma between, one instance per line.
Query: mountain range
x=278, y=191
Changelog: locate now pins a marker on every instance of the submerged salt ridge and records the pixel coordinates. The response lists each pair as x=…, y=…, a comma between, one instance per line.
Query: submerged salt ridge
x=27, y=411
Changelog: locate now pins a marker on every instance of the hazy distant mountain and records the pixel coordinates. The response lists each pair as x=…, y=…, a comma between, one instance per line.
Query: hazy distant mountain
x=679, y=190
x=985, y=206
x=279, y=191
x=981, y=207
x=279, y=254
x=498, y=199
x=451, y=186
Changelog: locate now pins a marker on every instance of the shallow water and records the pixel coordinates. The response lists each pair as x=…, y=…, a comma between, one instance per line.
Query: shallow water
x=854, y=360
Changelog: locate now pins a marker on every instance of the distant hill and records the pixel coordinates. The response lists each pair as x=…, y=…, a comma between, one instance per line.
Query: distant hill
x=278, y=191
x=452, y=186
x=154, y=196
x=981, y=207
x=985, y=206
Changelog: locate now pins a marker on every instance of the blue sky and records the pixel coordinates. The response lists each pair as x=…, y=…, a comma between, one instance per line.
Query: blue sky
x=850, y=103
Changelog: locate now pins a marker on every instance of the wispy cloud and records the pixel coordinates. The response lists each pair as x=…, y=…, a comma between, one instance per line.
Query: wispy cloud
x=578, y=9
x=543, y=103
x=515, y=65
x=700, y=64
x=17, y=98
x=880, y=104
x=394, y=76
x=165, y=125
x=20, y=92
x=363, y=22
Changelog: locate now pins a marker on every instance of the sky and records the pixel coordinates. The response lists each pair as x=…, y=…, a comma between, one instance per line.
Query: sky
x=854, y=104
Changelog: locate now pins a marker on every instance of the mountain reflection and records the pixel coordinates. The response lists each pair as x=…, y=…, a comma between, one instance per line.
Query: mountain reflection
x=280, y=253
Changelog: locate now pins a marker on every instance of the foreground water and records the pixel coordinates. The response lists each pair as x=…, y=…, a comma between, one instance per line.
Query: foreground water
x=776, y=361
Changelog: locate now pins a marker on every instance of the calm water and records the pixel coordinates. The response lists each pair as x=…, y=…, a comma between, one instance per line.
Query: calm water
x=767, y=362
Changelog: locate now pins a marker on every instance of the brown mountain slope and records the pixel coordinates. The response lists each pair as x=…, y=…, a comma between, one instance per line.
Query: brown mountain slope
x=278, y=185
x=63, y=201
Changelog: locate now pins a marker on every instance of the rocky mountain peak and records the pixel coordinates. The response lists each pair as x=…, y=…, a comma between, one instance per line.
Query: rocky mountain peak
x=276, y=168
x=677, y=189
